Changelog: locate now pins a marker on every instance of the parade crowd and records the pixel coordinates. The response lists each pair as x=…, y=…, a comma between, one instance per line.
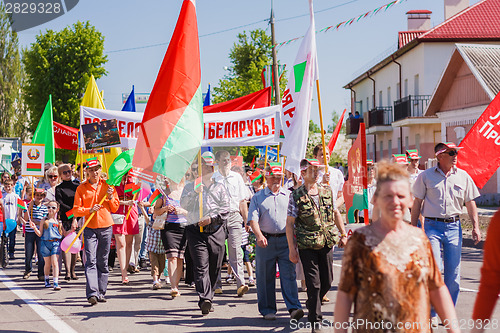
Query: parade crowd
x=401, y=271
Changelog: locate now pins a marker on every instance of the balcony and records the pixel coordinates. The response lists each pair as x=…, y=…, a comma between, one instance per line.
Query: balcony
x=410, y=106
x=379, y=120
x=352, y=127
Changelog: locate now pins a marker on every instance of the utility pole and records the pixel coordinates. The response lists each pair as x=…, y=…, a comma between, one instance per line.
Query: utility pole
x=277, y=98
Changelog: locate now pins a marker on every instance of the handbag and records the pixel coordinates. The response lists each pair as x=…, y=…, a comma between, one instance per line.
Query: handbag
x=118, y=218
x=159, y=222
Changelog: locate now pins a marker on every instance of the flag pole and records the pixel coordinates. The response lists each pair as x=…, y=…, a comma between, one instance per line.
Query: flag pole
x=322, y=131
x=32, y=195
x=278, y=153
x=265, y=159
x=200, y=195
x=104, y=160
x=81, y=165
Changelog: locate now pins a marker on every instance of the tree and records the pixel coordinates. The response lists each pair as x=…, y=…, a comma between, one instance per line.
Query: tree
x=248, y=57
x=313, y=128
x=10, y=79
x=334, y=121
x=61, y=63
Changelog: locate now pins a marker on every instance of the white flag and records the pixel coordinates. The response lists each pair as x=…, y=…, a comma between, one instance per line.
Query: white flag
x=297, y=98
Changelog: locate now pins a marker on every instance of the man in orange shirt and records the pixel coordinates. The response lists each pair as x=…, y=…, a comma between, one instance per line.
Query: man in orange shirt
x=97, y=234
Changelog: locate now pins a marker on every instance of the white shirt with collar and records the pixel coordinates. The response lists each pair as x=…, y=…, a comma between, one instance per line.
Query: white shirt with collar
x=235, y=186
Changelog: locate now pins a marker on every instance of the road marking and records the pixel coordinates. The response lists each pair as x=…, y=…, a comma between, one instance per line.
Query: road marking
x=334, y=264
x=471, y=290
x=57, y=323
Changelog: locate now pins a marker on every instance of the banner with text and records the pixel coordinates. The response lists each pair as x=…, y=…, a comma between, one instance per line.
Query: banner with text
x=482, y=163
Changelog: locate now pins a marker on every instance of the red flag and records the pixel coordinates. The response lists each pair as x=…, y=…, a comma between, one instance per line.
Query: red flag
x=482, y=163
x=253, y=161
x=197, y=183
x=258, y=99
x=65, y=137
x=336, y=132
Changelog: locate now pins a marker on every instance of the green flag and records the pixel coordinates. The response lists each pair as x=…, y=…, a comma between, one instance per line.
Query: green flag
x=44, y=133
x=121, y=165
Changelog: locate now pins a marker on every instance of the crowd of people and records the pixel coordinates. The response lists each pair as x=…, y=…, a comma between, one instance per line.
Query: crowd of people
x=392, y=268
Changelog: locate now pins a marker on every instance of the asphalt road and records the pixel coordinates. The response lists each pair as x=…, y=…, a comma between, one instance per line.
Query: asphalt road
x=25, y=306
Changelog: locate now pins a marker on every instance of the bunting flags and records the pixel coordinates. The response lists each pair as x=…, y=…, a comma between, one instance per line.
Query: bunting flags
x=130, y=103
x=345, y=23
x=336, y=132
x=44, y=133
x=172, y=126
x=297, y=98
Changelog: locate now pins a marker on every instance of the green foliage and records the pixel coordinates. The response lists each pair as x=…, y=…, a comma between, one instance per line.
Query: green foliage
x=334, y=121
x=61, y=63
x=10, y=80
x=313, y=128
x=248, y=153
x=248, y=57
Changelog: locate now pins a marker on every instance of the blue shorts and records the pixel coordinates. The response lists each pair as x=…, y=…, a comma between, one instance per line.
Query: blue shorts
x=246, y=254
x=49, y=248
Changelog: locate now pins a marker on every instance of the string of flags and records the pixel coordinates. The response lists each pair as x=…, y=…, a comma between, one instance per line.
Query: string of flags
x=348, y=22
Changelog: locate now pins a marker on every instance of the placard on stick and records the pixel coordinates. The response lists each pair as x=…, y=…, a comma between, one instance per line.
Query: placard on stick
x=32, y=160
x=101, y=134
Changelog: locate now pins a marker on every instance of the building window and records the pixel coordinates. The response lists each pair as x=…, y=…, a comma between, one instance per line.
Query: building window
x=399, y=146
x=389, y=101
x=398, y=95
x=407, y=142
x=381, y=149
x=406, y=87
x=368, y=151
x=417, y=141
x=367, y=104
x=389, y=148
x=380, y=98
x=360, y=107
x=416, y=86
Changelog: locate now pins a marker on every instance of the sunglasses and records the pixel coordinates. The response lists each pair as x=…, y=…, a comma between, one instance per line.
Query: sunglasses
x=452, y=152
x=53, y=177
x=52, y=207
x=66, y=172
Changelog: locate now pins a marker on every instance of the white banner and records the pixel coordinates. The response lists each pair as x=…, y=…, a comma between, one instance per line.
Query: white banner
x=254, y=127
x=32, y=160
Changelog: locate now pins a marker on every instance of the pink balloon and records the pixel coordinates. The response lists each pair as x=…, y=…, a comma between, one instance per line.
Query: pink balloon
x=66, y=242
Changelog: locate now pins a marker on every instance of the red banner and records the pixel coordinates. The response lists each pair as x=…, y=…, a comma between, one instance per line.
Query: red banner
x=355, y=188
x=258, y=99
x=481, y=154
x=65, y=137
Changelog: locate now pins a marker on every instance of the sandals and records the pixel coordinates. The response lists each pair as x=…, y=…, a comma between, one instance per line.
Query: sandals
x=175, y=293
x=125, y=281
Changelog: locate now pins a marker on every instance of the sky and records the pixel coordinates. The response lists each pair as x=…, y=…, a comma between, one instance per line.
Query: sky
x=137, y=35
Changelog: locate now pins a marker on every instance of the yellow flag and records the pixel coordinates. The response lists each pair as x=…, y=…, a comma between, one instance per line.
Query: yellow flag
x=93, y=99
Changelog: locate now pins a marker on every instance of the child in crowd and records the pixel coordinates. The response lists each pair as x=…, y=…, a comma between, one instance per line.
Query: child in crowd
x=50, y=233
x=10, y=211
x=156, y=251
x=36, y=212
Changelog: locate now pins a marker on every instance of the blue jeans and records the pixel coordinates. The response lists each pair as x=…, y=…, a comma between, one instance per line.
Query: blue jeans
x=448, y=237
x=30, y=240
x=265, y=260
x=143, y=253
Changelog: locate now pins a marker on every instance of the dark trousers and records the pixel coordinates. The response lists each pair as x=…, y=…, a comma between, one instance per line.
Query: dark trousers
x=30, y=240
x=318, y=273
x=207, y=251
x=12, y=241
x=97, y=245
x=189, y=278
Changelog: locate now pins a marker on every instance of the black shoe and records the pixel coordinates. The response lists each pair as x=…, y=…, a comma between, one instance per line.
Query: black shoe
x=92, y=300
x=143, y=263
x=11, y=256
x=102, y=299
x=205, y=307
x=296, y=314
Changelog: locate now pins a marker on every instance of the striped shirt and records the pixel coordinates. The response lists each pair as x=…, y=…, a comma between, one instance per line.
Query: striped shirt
x=39, y=213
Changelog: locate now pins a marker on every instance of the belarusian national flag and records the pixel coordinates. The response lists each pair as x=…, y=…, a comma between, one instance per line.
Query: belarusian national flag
x=21, y=204
x=44, y=133
x=172, y=126
x=33, y=166
x=296, y=102
x=197, y=183
x=155, y=196
x=69, y=214
x=255, y=175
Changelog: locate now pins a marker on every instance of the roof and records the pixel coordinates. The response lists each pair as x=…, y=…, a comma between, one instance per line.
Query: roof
x=479, y=21
x=404, y=37
x=419, y=11
x=484, y=63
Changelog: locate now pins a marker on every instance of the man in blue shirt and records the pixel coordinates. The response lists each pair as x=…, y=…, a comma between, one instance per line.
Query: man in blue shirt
x=267, y=217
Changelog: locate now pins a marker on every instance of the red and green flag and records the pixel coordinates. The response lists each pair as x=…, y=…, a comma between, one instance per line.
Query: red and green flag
x=155, y=196
x=132, y=188
x=21, y=204
x=197, y=183
x=44, y=133
x=257, y=174
x=69, y=214
x=172, y=126
x=34, y=166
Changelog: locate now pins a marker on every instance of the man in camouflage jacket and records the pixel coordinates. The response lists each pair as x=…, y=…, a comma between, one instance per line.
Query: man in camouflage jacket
x=310, y=226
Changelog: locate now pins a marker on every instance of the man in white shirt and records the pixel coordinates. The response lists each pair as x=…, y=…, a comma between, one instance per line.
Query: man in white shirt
x=238, y=194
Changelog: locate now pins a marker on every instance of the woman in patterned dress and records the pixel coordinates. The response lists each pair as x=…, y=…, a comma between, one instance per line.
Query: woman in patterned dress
x=388, y=269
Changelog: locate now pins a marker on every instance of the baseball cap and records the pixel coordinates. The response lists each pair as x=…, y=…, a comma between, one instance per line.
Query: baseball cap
x=208, y=158
x=307, y=162
x=276, y=169
x=413, y=154
x=92, y=162
x=400, y=158
x=444, y=146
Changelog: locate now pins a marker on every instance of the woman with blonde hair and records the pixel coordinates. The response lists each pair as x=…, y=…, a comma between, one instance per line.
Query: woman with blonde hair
x=388, y=269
